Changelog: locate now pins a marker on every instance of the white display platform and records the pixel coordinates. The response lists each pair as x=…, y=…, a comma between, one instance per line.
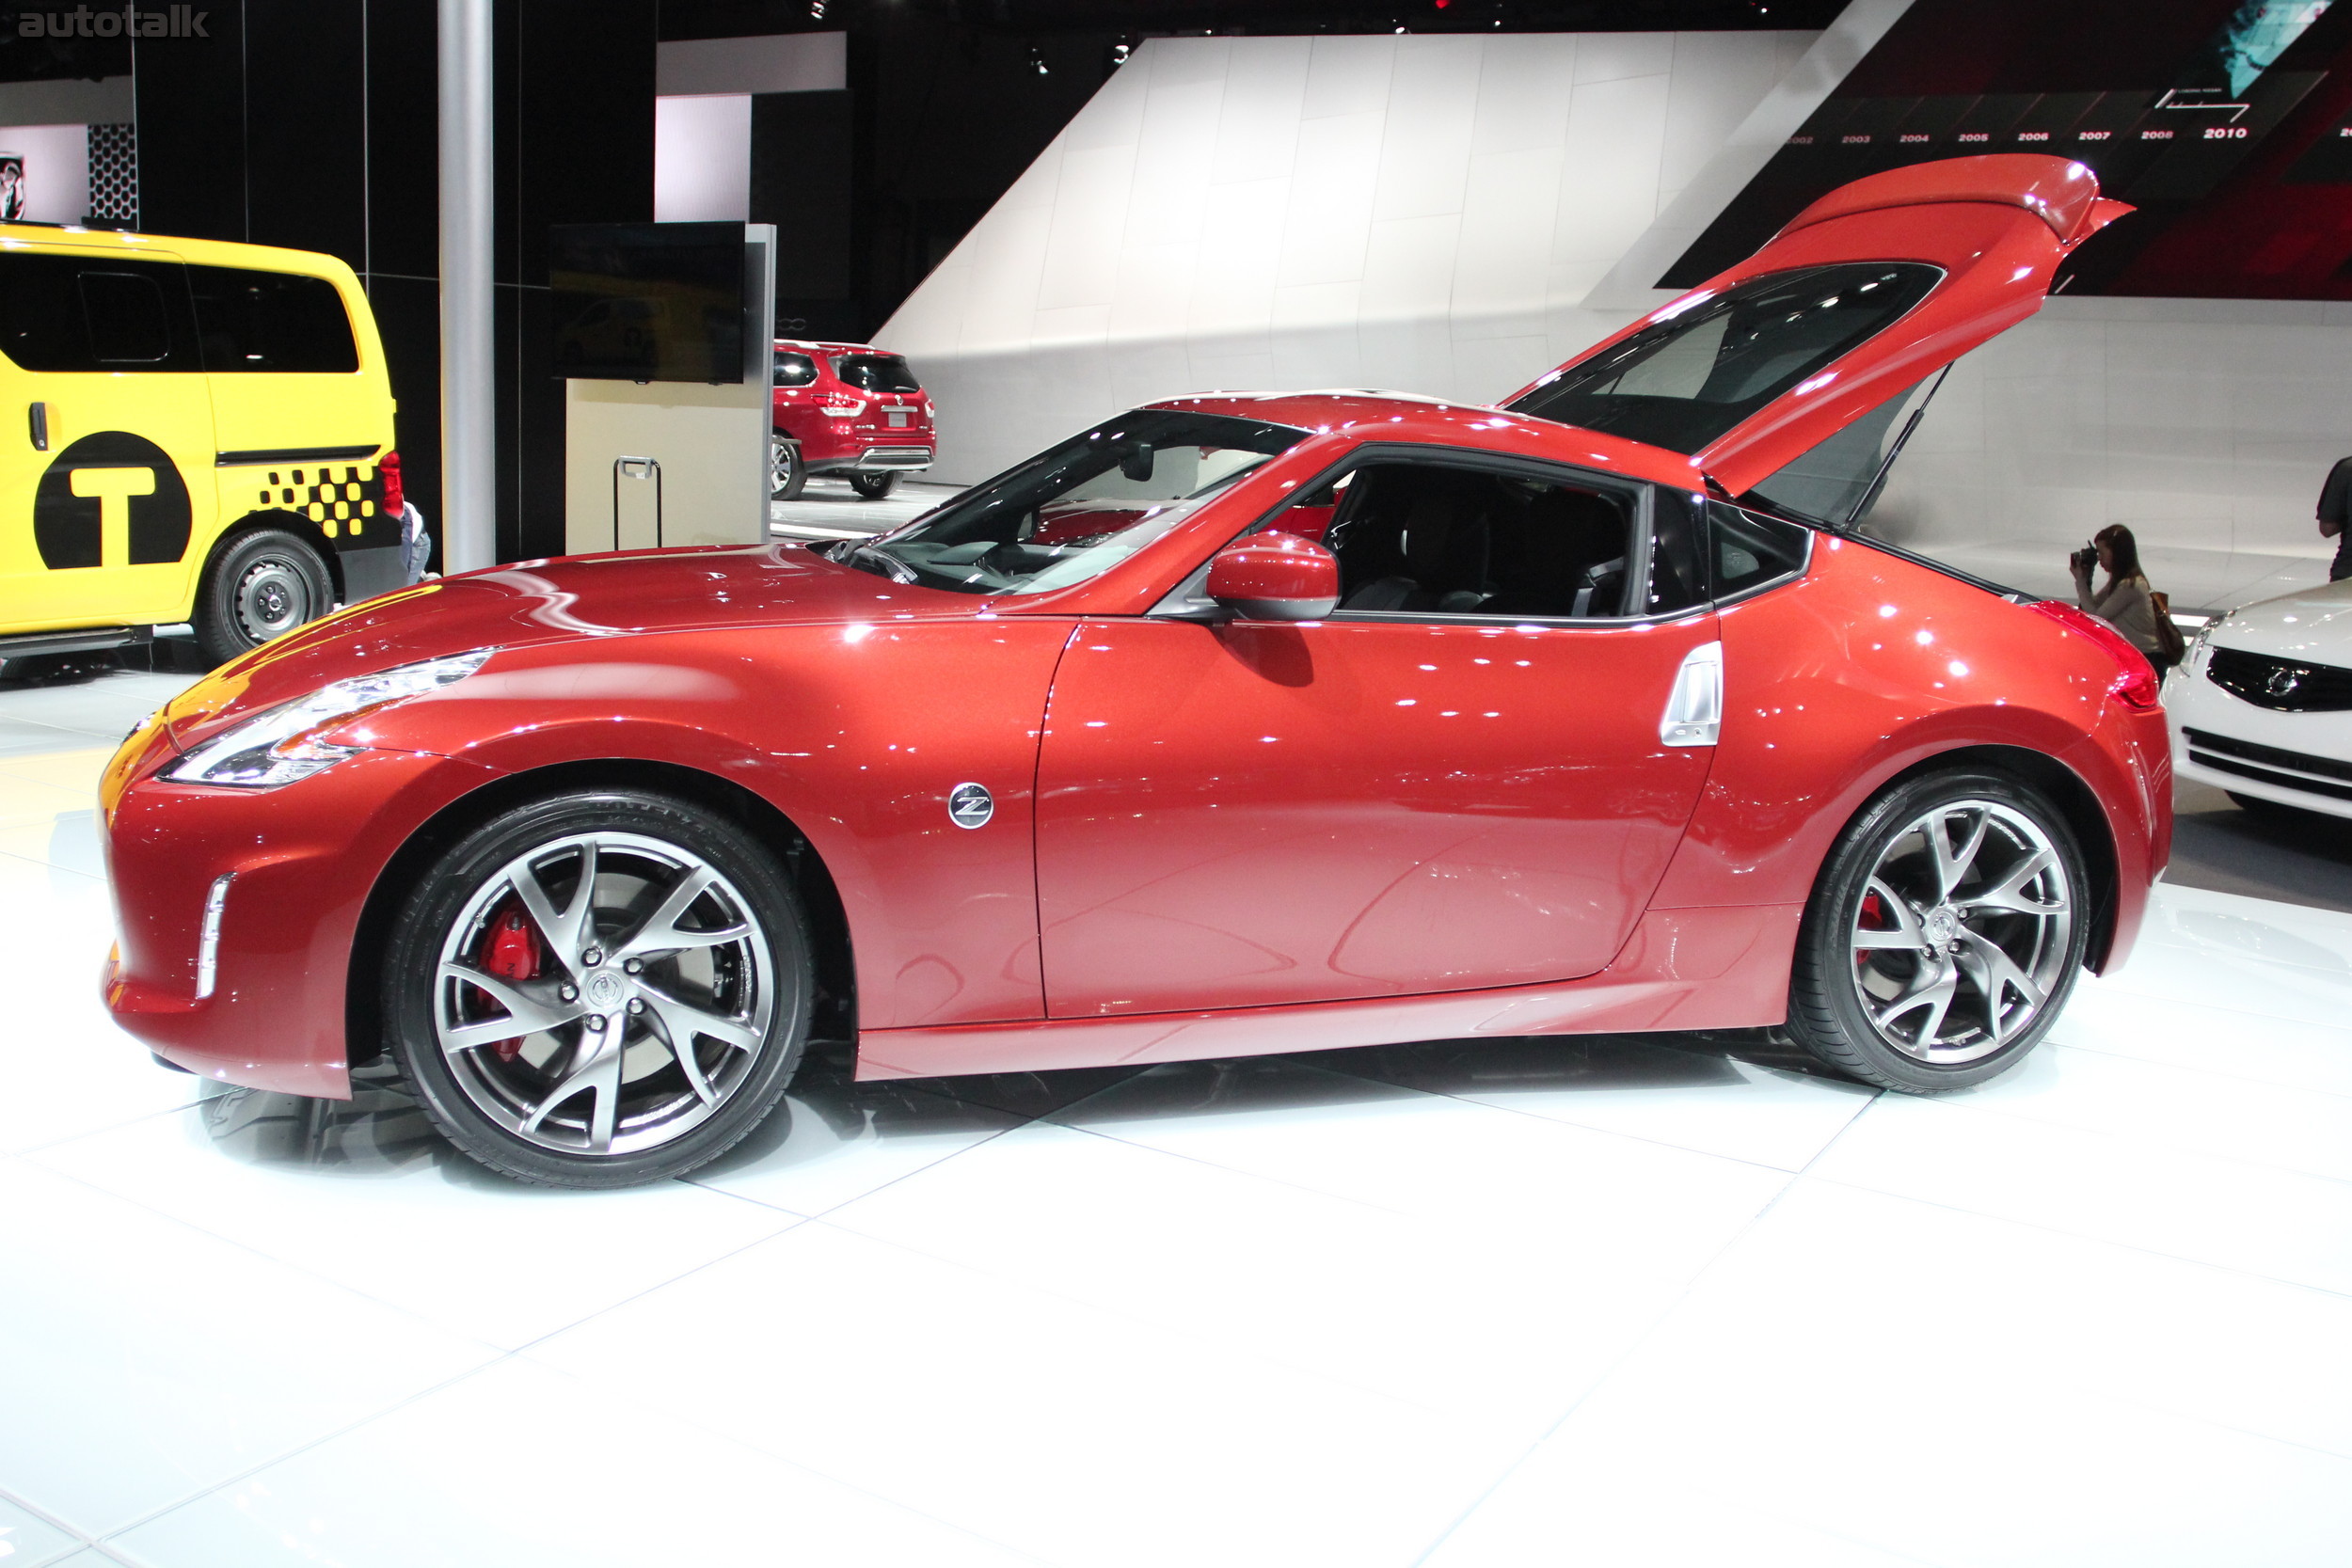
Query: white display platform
x=1625, y=1301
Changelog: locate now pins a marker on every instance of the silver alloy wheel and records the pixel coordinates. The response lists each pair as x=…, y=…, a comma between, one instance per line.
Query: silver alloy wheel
x=272, y=598
x=1962, y=932
x=783, y=459
x=649, y=1008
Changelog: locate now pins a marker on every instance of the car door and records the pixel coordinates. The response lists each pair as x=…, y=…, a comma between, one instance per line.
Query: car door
x=107, y=452
x=1457, y=781
x=1868, y=292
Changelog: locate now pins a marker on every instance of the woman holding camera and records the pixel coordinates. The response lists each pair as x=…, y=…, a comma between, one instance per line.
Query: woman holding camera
x=2126, y=603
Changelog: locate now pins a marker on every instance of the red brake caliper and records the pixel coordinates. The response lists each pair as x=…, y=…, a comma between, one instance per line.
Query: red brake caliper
x=511, y=952
x=1874, y=918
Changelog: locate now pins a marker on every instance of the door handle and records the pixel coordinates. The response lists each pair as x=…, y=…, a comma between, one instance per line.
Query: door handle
x=1695, y=709
x=38, y=416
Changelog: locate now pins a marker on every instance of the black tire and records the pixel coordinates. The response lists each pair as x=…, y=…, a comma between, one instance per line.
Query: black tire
x=260, y=586
x=536, y=1115
x=787, y=474
x=1854, y=946
x=874, y=487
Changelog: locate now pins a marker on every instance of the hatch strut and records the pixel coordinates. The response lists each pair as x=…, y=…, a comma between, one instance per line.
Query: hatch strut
x=1895, y=450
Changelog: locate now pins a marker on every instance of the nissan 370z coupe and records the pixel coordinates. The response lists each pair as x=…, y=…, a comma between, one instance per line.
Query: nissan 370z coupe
x=1236, y=723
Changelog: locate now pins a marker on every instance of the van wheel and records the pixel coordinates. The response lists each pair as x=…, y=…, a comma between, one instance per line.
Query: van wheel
x=262, y=586
x=786, y=473
x=1944, y=936
x=873, y=488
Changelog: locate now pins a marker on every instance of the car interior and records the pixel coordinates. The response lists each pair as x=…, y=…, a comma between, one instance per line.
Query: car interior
x=1429, y=538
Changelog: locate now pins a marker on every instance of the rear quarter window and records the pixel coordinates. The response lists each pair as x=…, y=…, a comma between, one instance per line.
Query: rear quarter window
x=1747, y=550
x=271, y=321
x=795, y=370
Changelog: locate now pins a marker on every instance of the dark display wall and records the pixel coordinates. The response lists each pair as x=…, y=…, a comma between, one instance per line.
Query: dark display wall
x=2227, y=123
x=312, y=124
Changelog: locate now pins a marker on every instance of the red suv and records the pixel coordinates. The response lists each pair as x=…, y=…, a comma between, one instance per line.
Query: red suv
x=846, y=408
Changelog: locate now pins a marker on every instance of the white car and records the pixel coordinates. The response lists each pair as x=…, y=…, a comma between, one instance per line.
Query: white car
x=2262, y=706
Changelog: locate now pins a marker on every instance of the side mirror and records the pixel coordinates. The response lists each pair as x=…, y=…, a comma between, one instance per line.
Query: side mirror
x=1275, y=577
x=1137, y=464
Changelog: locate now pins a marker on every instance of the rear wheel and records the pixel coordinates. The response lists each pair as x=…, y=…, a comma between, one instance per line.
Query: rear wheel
x=874, y=487
x=787, y=473
x=1944, y=936
x=599, y=989
x=262, y=586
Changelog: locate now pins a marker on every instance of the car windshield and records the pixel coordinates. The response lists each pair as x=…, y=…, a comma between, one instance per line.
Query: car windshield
x=1682, y=382
x=1076, y=509
x=876, y=373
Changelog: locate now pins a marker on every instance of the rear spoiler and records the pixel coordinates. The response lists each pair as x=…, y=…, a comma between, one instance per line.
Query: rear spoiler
x=2061, y=193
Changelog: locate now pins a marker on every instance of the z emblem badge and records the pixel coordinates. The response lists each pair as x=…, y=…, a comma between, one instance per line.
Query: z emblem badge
x=970, y=805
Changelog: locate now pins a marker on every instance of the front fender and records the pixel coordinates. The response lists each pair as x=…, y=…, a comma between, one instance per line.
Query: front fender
x=857, y=734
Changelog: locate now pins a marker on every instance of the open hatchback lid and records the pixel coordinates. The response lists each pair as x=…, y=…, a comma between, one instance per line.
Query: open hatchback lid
x=1866, y=294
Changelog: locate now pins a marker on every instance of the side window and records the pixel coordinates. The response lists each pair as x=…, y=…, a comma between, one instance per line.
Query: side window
x=1747, y=550
x=271, y=321
x=795, y=370
x=97, y=314
x=1835, y=483
x=124, y=311
x=1429, y=538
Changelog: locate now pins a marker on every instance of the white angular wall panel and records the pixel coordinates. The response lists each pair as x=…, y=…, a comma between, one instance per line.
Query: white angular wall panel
x=2206, y=426
x=1417, y=212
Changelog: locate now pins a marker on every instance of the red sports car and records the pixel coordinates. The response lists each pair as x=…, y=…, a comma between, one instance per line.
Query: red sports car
x=848, y=409
x=1237, y=724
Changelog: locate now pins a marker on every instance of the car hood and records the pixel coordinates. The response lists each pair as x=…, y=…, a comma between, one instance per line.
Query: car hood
x=574, y=598
x=2315, y=625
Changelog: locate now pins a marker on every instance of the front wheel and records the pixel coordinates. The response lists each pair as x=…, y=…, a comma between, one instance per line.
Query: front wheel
x=874, y=487
x=787, y=471
x=1944, y=936
x=599, y=989
x=262, y=586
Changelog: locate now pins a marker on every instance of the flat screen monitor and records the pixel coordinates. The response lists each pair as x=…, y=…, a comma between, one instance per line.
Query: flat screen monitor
x=648, y=301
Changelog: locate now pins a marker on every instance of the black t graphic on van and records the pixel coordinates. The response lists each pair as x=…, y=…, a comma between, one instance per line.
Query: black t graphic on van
x=85, y=483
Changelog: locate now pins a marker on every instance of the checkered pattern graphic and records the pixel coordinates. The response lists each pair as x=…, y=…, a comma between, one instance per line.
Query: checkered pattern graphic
x=343, y=499
x=113, y=174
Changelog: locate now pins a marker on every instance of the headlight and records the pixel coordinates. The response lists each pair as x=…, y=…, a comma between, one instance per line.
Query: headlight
x=2205, y=634
x=278, y=746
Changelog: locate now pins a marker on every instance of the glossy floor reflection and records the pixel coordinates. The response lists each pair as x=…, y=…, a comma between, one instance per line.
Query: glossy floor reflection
x=1623, y=1300
x=829, y=508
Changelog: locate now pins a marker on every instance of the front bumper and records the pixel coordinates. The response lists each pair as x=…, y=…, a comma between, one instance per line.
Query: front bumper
x=301, y=862
x=2295, y=759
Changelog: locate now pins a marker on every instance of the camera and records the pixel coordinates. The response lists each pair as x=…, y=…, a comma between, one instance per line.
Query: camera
x=2084, y=558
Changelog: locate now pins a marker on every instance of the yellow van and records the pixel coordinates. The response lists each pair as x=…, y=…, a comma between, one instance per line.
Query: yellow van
x=190, y=432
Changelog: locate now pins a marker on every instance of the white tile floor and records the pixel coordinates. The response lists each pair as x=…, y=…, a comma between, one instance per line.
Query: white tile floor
x=829, y=508
x=1620, y=1301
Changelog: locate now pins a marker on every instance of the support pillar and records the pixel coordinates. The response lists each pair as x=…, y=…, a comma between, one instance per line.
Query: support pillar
x=469, y=307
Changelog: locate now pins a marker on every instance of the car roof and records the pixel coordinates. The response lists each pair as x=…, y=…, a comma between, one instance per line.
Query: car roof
x=812, y=345
x=227, y=253
x=1441, y=422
